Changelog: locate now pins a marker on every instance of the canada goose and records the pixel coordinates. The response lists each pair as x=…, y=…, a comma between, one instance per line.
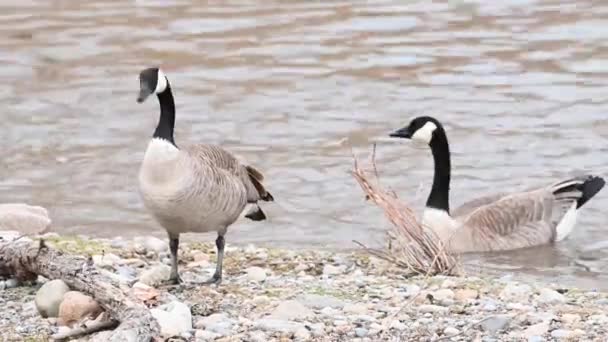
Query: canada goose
x=24, y=218
x=501, y=221
x=197, y=188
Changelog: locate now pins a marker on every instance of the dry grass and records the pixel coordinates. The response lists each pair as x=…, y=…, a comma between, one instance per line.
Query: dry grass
x=419, y=250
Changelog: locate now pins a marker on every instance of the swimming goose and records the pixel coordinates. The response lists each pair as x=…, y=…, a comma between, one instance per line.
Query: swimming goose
x=197, y=188
x=501, y=221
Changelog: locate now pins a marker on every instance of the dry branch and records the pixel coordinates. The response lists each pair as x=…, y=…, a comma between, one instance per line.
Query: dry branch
x=24, y=258
x=413, y=247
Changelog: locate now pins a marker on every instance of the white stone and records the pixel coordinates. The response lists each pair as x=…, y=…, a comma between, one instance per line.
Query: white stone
x=538, y=329
x=549, y=296
x=290, y=310
x=173, y=318
x=155, y=275
x=516, y=292
x=204, y=336
x=218, y=323
x=451, y=331
x=278, y=325
x=106, y=260
x=302, y=334
x=152, y=244
x=256, y=274
x=330, y=270
x=49, y=297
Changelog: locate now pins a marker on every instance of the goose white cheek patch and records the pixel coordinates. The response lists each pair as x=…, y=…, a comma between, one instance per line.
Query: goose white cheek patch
x=161, y=82
x=425, y=133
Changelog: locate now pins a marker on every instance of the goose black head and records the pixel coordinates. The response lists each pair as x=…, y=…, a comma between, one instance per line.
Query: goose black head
x=151, y=81
x=421, y=129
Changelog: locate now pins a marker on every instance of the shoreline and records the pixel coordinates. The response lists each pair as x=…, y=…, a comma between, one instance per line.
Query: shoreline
x=319, y=295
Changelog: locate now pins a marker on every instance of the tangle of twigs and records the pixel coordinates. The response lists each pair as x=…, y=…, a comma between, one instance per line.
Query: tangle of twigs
x=417, y=249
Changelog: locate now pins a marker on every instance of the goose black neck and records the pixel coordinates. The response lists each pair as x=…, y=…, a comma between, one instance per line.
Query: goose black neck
x=166, y=122
x=439, y=198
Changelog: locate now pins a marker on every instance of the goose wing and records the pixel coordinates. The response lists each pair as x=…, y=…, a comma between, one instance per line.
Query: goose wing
x=515, y=221
x=217, y=157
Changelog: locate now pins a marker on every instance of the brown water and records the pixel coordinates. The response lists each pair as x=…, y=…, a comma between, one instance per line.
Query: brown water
x=521, y=86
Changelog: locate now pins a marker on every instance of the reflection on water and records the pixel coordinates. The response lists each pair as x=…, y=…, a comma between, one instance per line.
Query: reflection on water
x=520, y=84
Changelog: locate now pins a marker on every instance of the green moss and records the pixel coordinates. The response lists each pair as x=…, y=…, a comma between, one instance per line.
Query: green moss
x=78, y=245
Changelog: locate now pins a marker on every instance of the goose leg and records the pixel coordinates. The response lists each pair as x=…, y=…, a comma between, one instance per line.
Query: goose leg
x=173, y=246
x=220, y=242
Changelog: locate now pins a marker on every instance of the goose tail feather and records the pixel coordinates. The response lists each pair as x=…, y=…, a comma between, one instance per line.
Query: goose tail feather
x=582, y=189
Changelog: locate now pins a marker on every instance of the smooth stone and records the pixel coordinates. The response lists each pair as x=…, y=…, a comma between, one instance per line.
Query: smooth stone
x=549, y=296
x=174, y=318
x=570, y=318
x=155, y=275
x=218, y=323
x=291, y=310
x=330, y=270
x=516, y=292
x=258, y=336
x=495, y=323
x=538, y=329
x=278, y=325
x=152, y=244
x=451, y=331
x=361, y=332
x=11, y=283
x=316, y=301
x=449, y=284
x=106, y=260
x=443, y=295
x=256, y=274
x=566, y=334
x=317, y=329
x=204, y=336
x=49, y=297
x=77, y=306
x=302, y=334
x=465, y=295
x=355, y=308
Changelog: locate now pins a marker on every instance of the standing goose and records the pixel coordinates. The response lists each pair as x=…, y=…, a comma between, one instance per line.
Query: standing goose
x=197, y=188
x=501, y=221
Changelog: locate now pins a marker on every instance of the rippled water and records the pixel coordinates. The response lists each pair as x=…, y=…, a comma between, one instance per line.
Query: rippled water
x=520, y=84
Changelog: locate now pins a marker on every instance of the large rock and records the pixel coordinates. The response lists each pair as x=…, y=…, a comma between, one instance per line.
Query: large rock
x=549, y=296
x=77, y=306
x=151, y=244
x=174, y=318
x=24, y=218
x=49, y=297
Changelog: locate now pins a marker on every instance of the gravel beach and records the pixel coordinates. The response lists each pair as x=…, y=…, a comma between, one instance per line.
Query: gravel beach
x=306, y=295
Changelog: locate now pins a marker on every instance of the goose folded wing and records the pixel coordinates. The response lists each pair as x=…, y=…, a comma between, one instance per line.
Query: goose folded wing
x=513, y=221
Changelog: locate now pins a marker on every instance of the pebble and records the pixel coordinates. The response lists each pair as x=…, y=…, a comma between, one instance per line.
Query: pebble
x=75, y=307
x=495, y=323
x=107, y=260
x=566, y=334
x=538, y=329
x=549, y=296
x=361, y=332
x=256, y=274
x=451, y=331
x=316, y=301
x=516, y=292
x=218, y=323
x=155, y=275
x=49, y=297
x=174, y=318
x=302, y=334
x=331, y=270
x=204, y=335
x=152, y=244
x=291, y=310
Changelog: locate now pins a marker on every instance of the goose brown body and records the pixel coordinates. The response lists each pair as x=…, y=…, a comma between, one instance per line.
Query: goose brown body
x=502, y=221
x=196, y=188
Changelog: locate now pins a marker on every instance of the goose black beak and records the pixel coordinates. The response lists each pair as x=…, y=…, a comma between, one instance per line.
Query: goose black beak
x=143, y=95
x=401, y=133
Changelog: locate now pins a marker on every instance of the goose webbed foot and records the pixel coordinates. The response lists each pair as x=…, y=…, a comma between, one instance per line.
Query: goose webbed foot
x=215, y=279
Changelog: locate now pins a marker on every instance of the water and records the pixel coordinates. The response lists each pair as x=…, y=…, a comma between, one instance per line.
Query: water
x=290, y=86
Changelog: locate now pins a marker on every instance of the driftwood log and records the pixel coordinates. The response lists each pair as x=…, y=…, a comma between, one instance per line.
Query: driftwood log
x=24, y=259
